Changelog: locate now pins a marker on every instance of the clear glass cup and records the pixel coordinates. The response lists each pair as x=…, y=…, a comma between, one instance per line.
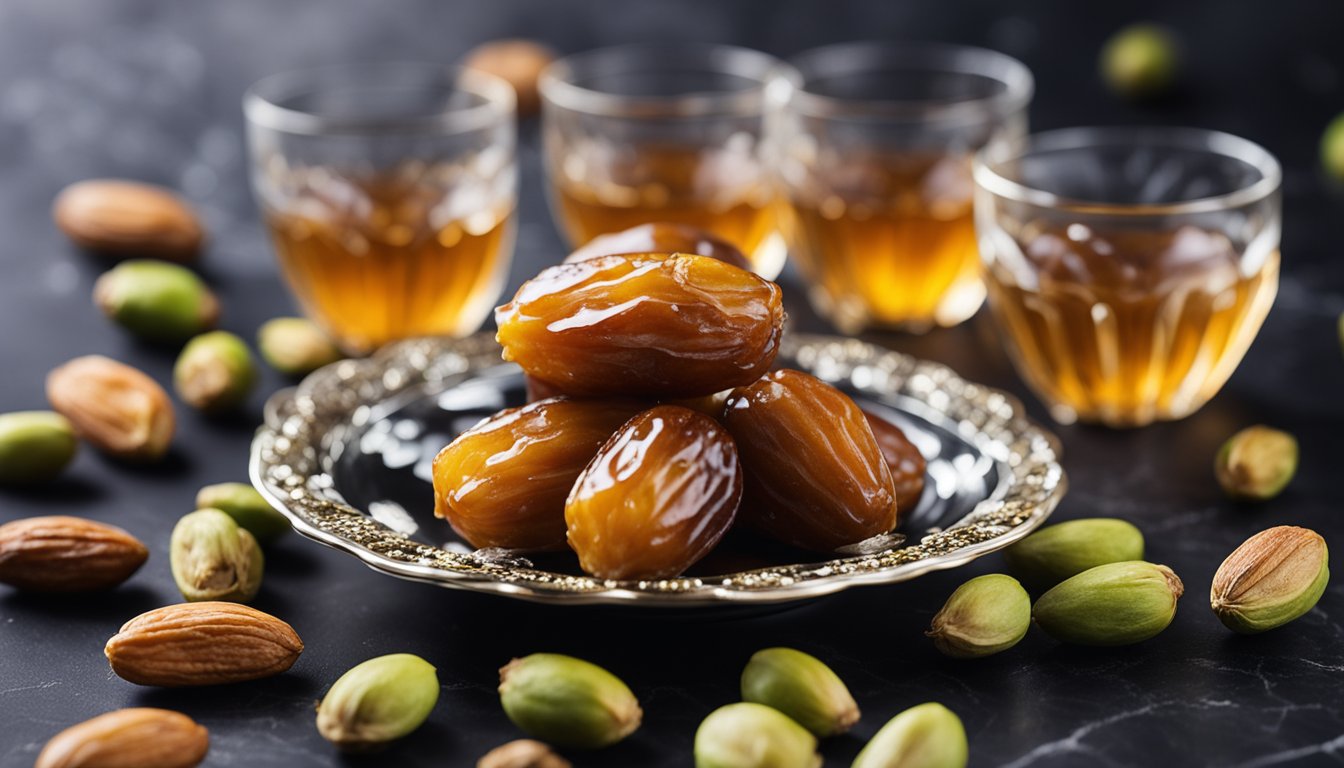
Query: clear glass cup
x=875, y=153
x=1129, y=268
x=389, y=192
x=664, y=133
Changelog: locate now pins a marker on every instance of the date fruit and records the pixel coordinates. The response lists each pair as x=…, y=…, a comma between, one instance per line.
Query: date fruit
x=661, y=237
x=503, y=483
x=906, y=463
x=643, y=326
x=815, y=475
x=657, y=497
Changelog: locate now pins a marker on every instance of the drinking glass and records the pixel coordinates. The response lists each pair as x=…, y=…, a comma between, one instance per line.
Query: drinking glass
x=1129, y=268
x=875, y=160
x=664, y=133
x=389, y=192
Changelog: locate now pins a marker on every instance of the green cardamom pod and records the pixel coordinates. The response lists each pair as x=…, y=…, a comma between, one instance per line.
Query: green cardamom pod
x=34, y=446
x=156, y=300
x=567, y=701
x=802, y=687
x=927, y=736
x=749, y=735
x=1274, y=577
x=1066, y=549
x=1112, y=604
x=1257, y=463
x=985, y=615
x=213, y=559
x=378, y=701
x=247, y=507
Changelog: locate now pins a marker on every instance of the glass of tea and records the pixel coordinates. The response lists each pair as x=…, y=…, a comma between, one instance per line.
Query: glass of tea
x=389, y=192
x=1129, y=268
x=875, y=151
x=664, y=133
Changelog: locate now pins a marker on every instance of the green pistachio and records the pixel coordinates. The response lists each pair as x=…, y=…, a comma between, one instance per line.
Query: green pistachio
x=215, y=372
x=749, y=735
x=802, y=687
x=156, y=300
x=985, y=615
x=568, y=701
x=1274, y=577
x=34, y=446
x=1140, y=61
x=1112, y=604
x=213, y=559
x=1256, y=463
x=927, y=736
x=247, y=507
x=1057, y=552
x=295, y=346
x=1332, y=157
x=378, y=701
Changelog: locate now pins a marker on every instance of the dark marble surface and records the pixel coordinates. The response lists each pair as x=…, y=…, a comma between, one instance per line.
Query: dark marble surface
x=151, y=90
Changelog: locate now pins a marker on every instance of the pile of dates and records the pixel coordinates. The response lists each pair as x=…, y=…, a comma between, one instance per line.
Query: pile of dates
x=657, y=424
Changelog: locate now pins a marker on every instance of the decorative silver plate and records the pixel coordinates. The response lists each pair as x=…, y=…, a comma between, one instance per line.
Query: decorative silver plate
x=346, y=457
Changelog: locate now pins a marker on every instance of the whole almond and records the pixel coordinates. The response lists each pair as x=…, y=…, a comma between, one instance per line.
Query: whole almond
x=119, y=410
x=209, y=643
x=142, y=737
x=128, y=218
x=67, y=554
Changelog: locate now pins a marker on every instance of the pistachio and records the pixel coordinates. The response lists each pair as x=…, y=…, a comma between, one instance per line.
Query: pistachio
x=156, y=300
x=1140, y=60
x=1332, y=157
x=927, y=736
x=1057, y=552
x=213, y=559
x=295, y=346
x=247, y=507
x=378, y=701
x=142, y=737
x=117, y=409
x=985, y=615
x=1274, y=577
x=1256, y=463
x=1112, y=604
x=568, y=701
x=34, y=446
x=215, y=372
x=128, y=218
x=522, y=753
x=748, y=735
x=802, y=687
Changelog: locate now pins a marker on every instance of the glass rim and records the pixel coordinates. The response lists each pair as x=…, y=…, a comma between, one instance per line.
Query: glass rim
x=263, y=101
x=557, y=86
x=989, y=160
x=950, y=58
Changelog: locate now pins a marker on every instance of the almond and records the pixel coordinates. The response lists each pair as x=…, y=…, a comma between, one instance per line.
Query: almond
x=128, y=218
x=207, y=643
x=119, y=410
x=67, y=554
x=141, y=737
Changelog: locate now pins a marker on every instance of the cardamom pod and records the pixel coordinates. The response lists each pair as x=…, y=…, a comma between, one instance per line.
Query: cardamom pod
x=985, y=615
x=1273, y=578
x=1257, y=463
x=749, y=735
x=156, y=300
x=247, y=507
x=567, y=701
x=802, y=687
x=378, y=701
x=34, y=446
x=213, y=559
x=1112, y=604
x=927, y=736
x=1066, y=549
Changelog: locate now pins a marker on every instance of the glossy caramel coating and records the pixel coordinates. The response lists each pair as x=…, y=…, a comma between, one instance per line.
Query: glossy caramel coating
x=650, y=326
x=906, y=463
x=815, y=475
x=661, y=237
x=503, y=482
x=657, y=497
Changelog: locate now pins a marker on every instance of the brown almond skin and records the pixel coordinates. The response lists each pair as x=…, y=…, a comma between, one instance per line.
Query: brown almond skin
x=657, y=497
x=503, y=483
x=141, y=737
x=114, y=407
x=517, y=61
x=661, y=237
x=209, y=643
x=646, y=325
x=903, y=458
x=67, y=554
x=127, y=218
x=815, y=475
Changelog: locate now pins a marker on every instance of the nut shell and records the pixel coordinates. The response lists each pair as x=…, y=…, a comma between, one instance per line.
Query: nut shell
x=140, y=737
x=128, y=218
x=67, y=554
x=1274, y=577
x=117, y=409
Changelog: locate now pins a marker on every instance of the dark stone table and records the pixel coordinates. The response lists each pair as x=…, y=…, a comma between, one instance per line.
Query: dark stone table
x=151, y=90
